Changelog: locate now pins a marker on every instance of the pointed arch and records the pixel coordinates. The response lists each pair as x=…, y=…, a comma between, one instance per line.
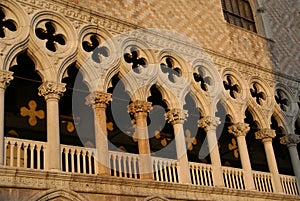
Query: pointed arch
x=58, y=194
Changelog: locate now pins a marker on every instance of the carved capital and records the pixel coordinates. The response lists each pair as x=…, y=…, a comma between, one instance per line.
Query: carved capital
x=98, y=98
x=176, y=116
x=52, y=90
x=209, y=123
x=290, y=140
x=5, y=78
x=265, y=134
x=239, y=129
x=139, y=106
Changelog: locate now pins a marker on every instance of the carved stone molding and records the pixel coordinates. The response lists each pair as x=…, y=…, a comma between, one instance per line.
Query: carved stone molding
x=139, y=106
x=265, y=134
x=52, y=90
x=176, y=116
x=5, y=78
x=98, y=98
x=239, y=129
x=290, y=140
x=209, y=123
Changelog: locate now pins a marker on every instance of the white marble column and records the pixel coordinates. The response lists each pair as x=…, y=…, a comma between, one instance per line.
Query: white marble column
x=210, y=125
x=99, y=101
x=291, y=141
x=240, y=130
x=5, y=78
x=177, y=117
x=140, y=110
x=266, y=135
x=52, y=92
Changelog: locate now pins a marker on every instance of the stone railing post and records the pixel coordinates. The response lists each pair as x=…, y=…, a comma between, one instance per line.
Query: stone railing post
x=291, y=141
x=266, y=135
x=177, y=117
x=240, y=130
x=52, y=92
x=99, y=101
x=210, y=125
x=5, y=78
x=140, y=111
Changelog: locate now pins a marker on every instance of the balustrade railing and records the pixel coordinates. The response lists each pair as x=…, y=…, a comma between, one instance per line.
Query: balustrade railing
x=263, y=181
x=289, y=185
x=78, y=159
x=165, y=170
x=201, y=174
x=124, y=164
x=233, y=178
x=24, y=153
x=31, y=154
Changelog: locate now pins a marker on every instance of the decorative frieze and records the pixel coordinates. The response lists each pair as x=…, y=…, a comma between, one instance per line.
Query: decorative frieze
x=98, y=98
x=139, y=106
x=5, y=78
x=265, y=134
x=176, y=116
x=209, y=123
x=52, y=90
x=239, y=129
x=290, y=139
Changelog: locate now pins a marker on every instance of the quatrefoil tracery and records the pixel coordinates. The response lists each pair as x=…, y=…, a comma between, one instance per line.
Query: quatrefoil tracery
x=282, y=100
x=230, y=85
x=170, y=69
x=51, y=36
x=94, y=46
x=203, y=80
x=6, y=24
x=135, y=58
x=257, y=93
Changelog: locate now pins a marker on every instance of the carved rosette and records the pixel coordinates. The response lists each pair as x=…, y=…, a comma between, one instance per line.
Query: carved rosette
x=209, y=123
x=176, y=116
x=239, y=129
x=139, y=107
x=290, y=140
x=5, y=78
x=98, y=98
x=52, y=90
x=265, y=134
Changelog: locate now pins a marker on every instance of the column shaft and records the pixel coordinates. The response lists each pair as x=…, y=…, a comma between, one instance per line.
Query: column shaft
x=140, y=109
x=5, y=78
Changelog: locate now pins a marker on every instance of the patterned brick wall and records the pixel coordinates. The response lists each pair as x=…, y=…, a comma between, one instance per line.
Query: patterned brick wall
x=199, y=20
x=284, y=16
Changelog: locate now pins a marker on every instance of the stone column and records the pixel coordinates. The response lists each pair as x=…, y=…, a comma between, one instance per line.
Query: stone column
x=52, y=92
x=140, y=109
x=5, y=78
x=99, y=101
x=240, y=130
x=266, y=136
x=177, y=117
x=291, y=140
x=210, y=125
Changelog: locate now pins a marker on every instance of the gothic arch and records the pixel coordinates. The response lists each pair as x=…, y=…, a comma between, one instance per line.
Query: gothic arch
x=58, y=194
x=54, y=56
x=16, y=41
x=98, y=54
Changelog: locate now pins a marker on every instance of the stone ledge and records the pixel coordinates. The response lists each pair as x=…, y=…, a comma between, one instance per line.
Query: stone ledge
x=85, y=184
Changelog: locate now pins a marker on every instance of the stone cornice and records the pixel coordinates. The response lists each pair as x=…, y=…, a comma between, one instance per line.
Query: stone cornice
x=80, y=183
